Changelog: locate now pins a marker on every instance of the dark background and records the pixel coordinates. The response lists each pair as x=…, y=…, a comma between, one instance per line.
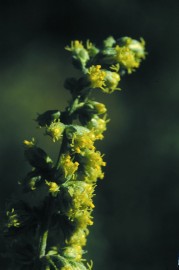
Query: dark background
x=137, y=204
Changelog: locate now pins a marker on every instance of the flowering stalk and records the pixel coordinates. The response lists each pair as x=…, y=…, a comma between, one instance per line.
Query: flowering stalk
x=48, y=227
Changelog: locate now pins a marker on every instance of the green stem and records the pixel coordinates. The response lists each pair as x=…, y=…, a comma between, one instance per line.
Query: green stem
x=43, y=244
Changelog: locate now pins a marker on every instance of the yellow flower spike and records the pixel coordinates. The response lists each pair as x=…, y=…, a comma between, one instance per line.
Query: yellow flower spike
x=126, y=58
x=55, y=130
x=96, y=76
x=53, y=187
x=70, y=183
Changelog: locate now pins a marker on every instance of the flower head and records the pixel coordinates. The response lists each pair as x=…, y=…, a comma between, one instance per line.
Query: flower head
x=126, y=58
x=53, y=187
x=81, y=194
x=68, y=166
x=79, y=53
x=138, y=47
x=55, y=130
x=73, y=252
x=96, y=76
x=104, y=79
x=79, y=237
x=98, y=126
x=92, y=162
x=111, y=81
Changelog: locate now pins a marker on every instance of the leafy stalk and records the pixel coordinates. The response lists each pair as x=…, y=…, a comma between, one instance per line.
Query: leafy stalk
x=48, y=228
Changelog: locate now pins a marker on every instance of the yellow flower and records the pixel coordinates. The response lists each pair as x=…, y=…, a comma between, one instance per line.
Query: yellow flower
x=103, y=79
x=76, y=45
x=68, y=166
x=98, y=126
x=83, y=219
x=138, y=47
x=82, y=140
x=96, y=76
x=79, y=52
x=126, y=58
x=78, y=238
x=73, y=252
x=55, y=130
x=81, y=194
x=92, y=162
x=53, y=187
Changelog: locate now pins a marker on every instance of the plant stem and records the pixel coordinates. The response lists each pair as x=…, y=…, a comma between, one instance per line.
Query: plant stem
x=43, y=244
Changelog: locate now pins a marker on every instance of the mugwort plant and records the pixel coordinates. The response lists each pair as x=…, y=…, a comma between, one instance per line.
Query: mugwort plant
x=51, y=233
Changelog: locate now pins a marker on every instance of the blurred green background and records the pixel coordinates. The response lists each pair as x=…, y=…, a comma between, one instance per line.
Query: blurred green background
x=137, y=204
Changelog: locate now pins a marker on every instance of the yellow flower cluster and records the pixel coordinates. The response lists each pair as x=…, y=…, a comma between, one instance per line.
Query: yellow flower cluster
x=82, y=166
x=66, y=188
x=81, y=196
x=130, y=53
x=53, y=187
x=104, y=79
x=73, y=252
x=126, y=57
x=97, y=125
x=67, y=165
x=83, y=140
x=55, y=130
x=93, y=163
x=79, y=237
x=97, y=77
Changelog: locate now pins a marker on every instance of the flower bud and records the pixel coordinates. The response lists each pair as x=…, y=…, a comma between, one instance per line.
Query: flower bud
x=79, y=53
x=111, y=81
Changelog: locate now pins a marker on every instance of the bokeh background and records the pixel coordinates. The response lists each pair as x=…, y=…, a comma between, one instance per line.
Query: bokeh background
x=137, y=204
